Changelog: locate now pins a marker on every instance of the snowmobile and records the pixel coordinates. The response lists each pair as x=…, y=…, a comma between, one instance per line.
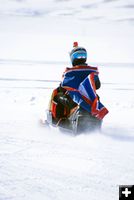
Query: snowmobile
x=86, y=112
x=79, y=122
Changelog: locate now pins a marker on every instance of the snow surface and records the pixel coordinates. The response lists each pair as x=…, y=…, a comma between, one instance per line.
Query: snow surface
x=46, y=29
x=37, y=163
x=40, y=163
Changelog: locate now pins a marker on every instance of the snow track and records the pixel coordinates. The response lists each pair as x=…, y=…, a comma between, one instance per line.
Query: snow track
x=45, y=164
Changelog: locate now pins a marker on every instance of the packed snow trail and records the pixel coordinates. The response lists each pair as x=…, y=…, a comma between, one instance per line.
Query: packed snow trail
x=40, y=163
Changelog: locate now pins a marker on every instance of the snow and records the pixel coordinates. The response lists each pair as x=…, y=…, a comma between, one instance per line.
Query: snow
x=47, y=29
x=37, y=163
x=45, y=164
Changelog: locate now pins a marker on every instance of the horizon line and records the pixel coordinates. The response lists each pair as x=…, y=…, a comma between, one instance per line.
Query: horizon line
x=26, y=61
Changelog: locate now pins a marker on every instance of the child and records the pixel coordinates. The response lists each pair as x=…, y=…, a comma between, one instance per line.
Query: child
x=61, y=104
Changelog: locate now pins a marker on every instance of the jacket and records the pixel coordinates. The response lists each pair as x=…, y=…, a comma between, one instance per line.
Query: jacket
x=72, y=77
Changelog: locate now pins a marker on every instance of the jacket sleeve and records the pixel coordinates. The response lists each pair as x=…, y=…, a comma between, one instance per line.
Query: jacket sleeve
x=97, y=82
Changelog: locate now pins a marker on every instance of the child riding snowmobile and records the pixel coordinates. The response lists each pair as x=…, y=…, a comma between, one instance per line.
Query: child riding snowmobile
x=76, y=95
